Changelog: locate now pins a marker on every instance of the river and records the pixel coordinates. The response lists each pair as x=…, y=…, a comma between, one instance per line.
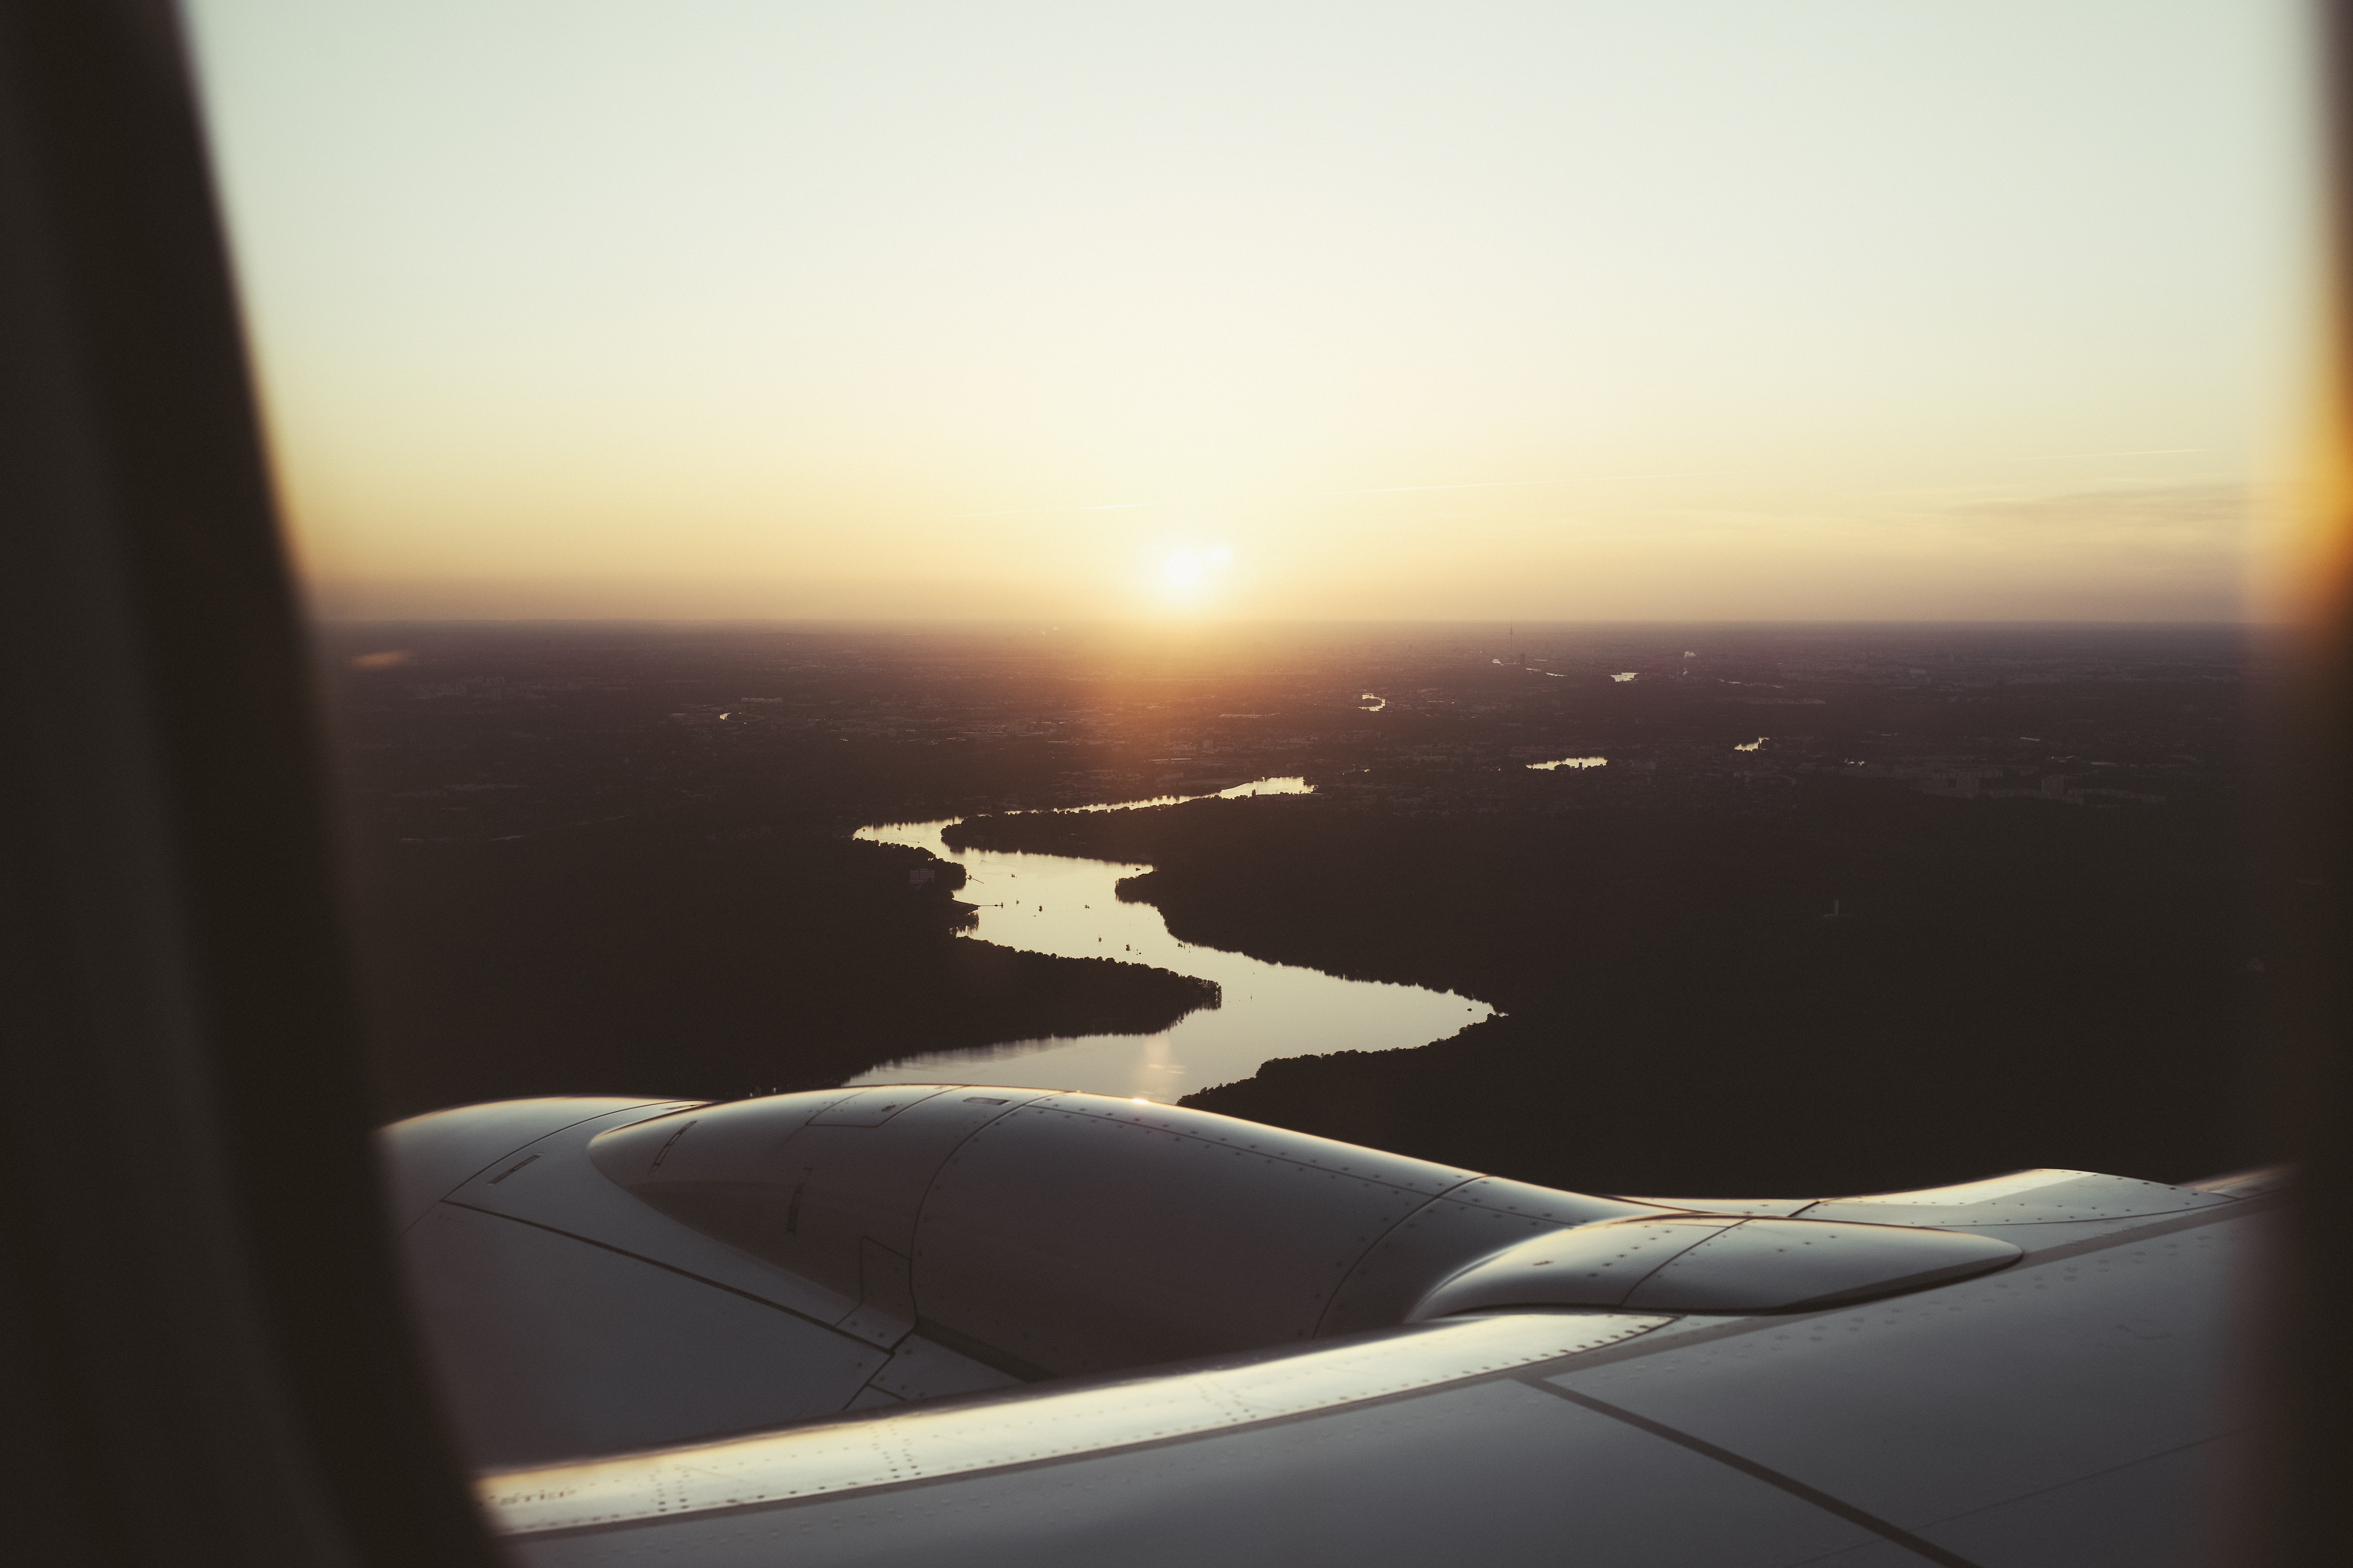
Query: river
x=1064, y=905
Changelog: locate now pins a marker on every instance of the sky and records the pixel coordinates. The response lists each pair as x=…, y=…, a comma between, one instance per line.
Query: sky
x=1464, y=310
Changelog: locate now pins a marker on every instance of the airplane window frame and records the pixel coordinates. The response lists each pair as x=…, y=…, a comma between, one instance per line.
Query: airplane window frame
x=200, y=1309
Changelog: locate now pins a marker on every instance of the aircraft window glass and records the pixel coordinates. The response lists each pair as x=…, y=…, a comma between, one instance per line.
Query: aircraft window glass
x=1351, y=620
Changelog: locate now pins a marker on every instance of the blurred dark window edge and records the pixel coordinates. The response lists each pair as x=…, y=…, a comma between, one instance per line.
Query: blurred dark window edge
x=200, y=1339
x=2303, y=879
x=207, y=1354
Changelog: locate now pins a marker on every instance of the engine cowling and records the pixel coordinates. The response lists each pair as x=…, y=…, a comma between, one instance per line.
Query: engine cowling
x=1073, y=1233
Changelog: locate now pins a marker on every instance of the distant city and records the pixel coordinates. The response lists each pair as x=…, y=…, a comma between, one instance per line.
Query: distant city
x=473, y=733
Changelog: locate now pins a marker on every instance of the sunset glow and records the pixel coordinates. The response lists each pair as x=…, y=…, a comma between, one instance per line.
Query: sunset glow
x=1691, y=309
x=1190, y=578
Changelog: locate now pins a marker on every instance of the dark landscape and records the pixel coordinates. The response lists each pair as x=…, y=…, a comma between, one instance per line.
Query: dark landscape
x=1846, y=907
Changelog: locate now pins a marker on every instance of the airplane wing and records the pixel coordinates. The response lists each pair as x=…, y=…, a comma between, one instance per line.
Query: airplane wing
x=1017, y=1326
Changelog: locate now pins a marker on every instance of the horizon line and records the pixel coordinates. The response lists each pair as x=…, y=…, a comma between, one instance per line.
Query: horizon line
x=1035, y=623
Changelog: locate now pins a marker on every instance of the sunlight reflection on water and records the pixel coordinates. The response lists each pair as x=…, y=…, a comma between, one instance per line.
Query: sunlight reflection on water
x=1067, y=906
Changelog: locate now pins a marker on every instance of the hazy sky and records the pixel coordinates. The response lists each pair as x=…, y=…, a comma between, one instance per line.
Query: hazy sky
x=1460, y=308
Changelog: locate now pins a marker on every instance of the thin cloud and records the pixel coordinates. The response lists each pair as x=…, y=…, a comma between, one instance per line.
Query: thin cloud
x=2131, y=452
x=1061, y=511
x=1140, y=505
x=1473, y=485
x=2208, y=517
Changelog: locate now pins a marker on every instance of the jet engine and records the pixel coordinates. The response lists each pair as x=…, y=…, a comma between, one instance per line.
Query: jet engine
x=599, y=1275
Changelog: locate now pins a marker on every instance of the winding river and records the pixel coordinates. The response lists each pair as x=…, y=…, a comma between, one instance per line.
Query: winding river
x=1068, y=906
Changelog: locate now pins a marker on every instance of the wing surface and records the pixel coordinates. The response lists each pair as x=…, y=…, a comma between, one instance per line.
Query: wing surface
x=2073, y=1407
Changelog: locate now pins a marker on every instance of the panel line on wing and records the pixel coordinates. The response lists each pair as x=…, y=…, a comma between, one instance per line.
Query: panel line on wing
x=1765, y=1473
x=2177, y=1449
x=988, y=1355
x=488, y=1165
x=1339, y=1291
x=656, y=1263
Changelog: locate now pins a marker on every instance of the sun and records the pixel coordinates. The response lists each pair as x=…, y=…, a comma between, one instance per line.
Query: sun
x=1188, y=576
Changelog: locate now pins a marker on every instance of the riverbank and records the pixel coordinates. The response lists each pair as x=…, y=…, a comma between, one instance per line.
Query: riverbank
x=701, y=955
x=2009, y=985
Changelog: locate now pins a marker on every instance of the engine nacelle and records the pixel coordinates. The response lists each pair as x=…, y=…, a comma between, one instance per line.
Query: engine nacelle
x=594, y=1275
x=1073, y=1233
